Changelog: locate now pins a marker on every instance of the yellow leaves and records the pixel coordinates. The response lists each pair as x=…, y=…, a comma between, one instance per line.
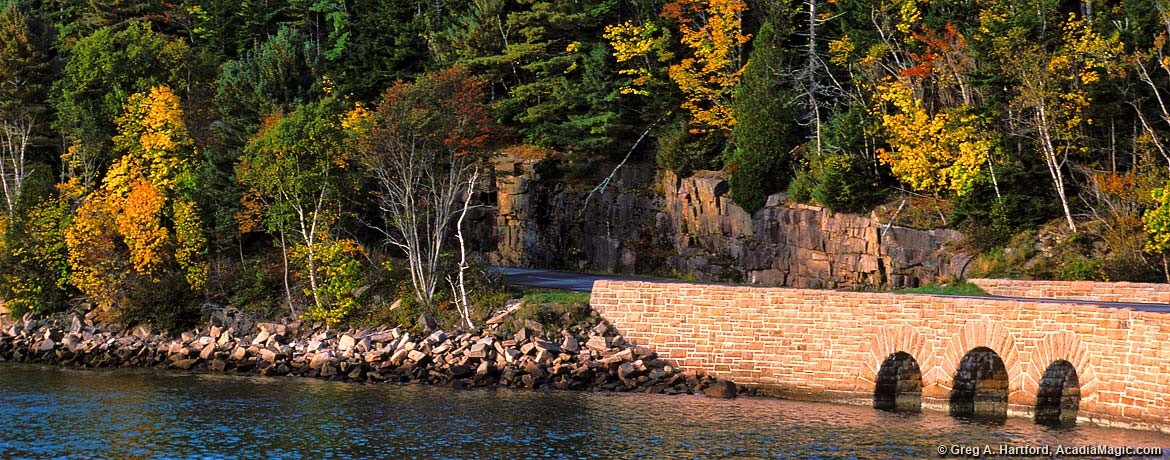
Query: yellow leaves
x=631, y=41
x=931, y=152
x=1156, y=221
x=639, y=46
x=357, y=121
x=840, y=50
x=138, y=225
x=339, y=275
x=190, y=241
x=908, y=15
x=153, y=140
x=94, y=254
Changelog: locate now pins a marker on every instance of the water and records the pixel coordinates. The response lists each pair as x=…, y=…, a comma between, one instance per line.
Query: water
x=48, y=412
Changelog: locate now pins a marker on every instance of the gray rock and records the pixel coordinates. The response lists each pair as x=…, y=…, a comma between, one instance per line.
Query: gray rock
x=45, y=345
x=548, y=346
x=427, y=322
x=437, y=337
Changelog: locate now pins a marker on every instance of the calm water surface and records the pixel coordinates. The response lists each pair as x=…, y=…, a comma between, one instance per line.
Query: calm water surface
x=48, y=412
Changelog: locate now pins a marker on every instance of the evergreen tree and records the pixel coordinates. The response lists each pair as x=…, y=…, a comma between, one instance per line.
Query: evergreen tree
x=386, y=42
x=767, y=128
x=279, y=71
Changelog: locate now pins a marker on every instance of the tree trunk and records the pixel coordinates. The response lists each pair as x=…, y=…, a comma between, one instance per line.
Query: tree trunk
x=1054, y=161
x=287, y=291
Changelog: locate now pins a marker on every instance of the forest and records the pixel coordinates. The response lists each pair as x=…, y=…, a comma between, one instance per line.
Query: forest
x=315, y=157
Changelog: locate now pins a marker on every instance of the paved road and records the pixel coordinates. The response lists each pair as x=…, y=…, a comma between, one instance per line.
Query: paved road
x=552, y=279
x=581, y=282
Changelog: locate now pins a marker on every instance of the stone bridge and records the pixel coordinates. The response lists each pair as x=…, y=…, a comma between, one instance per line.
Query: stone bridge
x=1055, y=360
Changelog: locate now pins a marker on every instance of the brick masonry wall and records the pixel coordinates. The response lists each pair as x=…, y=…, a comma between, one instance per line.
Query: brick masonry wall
x=831, y=344
x=1077, y=290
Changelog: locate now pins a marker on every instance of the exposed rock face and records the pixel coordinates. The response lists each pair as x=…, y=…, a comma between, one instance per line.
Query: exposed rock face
x=650, y=222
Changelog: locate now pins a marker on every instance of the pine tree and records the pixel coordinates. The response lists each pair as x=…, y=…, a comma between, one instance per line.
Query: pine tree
x=767, y=128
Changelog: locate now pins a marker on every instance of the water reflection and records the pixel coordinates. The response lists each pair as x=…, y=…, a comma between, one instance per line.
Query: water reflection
x=51, y=412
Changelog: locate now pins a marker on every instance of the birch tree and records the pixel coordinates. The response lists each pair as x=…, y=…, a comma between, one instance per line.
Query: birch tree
x=23, y=65
x=294, y=174
x=422, y=144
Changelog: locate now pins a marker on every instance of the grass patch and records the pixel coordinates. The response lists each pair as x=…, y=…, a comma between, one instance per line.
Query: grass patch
x=960, y=288
x=559, y=297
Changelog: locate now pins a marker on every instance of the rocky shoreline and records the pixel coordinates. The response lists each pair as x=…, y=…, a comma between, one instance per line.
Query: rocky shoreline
x=583, y=357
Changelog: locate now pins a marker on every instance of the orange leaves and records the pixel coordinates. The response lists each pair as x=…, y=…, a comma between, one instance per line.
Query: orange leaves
x=440, y=114
x=98, y=266
x=140, y=224
x=713, y=31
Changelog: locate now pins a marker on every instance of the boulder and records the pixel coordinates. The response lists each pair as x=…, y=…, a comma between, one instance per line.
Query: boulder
x=207, y=352
x=570, y=344
x=460, y=371
x=345, y=343
x=598, y=343
x=721, y=389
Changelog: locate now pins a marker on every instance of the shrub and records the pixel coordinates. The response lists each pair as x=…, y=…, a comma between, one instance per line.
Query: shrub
x=1076, y=267
x=339, y=275
x=1008, y=261
x=35, y=260
x=683, y=152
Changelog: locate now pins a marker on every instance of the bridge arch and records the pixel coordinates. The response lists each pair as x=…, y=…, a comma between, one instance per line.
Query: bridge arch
x=1059, y=395
x=986, y=333
x=980, y=386
x=883, y=341
x=1062, y=346
x=899, y=384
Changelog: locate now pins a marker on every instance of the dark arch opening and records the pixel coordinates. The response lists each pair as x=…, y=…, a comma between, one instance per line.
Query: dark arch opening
x=981, y=386
x=899, y=384
x=1059, y=395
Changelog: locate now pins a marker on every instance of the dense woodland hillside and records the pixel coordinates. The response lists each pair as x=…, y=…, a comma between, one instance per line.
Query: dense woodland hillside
x=285, y=156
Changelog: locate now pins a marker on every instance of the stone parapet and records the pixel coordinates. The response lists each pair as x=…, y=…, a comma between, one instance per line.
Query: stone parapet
x=1077, y=290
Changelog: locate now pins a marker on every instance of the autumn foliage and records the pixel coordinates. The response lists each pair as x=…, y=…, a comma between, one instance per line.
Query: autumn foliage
x=280, y=155
x=421, y=144
x=139, y=229
x=712, y=32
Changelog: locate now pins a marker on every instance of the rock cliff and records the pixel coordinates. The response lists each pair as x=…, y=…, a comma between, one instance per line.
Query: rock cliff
x=658, y=223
